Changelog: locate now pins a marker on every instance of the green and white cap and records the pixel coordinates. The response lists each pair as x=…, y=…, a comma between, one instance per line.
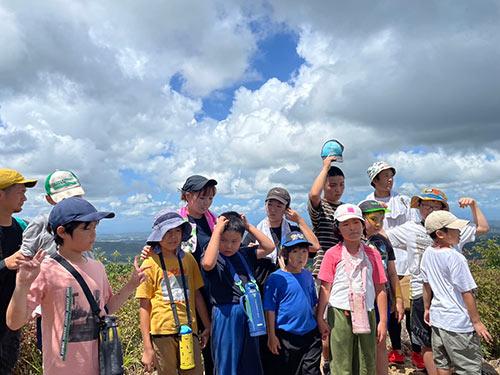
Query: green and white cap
x=63, y=184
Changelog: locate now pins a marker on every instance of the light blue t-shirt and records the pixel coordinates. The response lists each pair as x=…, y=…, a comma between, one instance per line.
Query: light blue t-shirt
x=292, y=296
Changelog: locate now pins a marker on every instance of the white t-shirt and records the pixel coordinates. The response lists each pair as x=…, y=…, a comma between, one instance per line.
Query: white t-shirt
x=448, y=274
x=412, y=237
x=400, y=213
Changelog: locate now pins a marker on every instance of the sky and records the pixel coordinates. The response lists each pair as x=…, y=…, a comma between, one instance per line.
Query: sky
x=134, y=98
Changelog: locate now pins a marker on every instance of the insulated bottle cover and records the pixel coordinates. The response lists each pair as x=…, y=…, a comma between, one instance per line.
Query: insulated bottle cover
x=186, y=350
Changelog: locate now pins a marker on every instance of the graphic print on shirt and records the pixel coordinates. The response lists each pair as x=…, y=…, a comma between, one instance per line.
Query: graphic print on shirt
x=422, y=242
x=175, y=281
x=84, y=325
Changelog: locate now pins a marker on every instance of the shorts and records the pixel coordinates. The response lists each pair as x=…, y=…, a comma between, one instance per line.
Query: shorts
x=460, y=350
x=420, y=331
x=166, y=349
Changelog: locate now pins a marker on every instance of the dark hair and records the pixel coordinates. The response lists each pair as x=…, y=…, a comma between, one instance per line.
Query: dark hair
x=68, y=228
x=335, y=171
x=433, y=234
x=235, y=222
x=207, y=188
x=285, y=251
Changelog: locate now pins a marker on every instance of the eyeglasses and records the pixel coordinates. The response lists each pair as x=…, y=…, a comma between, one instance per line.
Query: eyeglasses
x=431, y=206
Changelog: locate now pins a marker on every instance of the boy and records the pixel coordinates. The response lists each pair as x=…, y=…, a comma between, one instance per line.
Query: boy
x=290, y=303
x=13, y=187
x=412, y=237
x=159, y=328
x=381, y=177
x=47, y=283
x=234, y=351
x=452, y=313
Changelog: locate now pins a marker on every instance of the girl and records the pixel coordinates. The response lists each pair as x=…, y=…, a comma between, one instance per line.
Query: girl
x=352, y=277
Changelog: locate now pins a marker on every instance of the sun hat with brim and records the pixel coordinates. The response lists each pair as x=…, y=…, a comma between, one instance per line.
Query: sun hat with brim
x=443, y=219
x=165, y=221
x=9, y=177
x=370, y=205
x=295, y=238
x=62, y=184
x=347, y=211
x=75, y=209
x=377, y=167
x=430, y=194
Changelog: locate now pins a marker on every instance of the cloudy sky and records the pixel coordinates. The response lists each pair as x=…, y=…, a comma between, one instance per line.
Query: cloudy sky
x=136, y=96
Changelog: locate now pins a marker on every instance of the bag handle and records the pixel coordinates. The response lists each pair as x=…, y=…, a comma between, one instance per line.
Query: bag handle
x=236, y=277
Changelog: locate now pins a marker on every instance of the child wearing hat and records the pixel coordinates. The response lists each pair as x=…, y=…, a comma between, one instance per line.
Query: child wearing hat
x=352, y=279
x=69, y=327
x=290, y=303
x=412, y=237
x=373, y=213
x=164, y=308
x=381, y=175
x=449, y=302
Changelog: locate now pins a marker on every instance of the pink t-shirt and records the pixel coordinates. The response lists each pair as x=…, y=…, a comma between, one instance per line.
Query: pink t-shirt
x=50, y=290
x=333, y=271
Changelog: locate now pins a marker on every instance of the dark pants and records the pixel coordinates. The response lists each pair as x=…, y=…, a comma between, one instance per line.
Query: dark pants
x=394, y=329
x=9, y=351
x=299, y=354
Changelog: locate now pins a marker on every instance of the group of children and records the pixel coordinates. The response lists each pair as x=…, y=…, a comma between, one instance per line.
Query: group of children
x=244, y=291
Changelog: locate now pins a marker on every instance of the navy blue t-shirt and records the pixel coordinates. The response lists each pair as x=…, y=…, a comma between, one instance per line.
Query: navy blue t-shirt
x=292, y=296
x=219, y=281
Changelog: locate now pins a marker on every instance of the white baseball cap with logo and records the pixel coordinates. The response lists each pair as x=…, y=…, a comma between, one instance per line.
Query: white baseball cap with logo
x=443, y=219
x=63, y=184
x=348, y=211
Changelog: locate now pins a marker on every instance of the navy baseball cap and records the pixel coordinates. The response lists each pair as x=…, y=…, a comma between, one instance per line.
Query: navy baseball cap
x=197, y=183
x=75, y=209
x=166, y=220
x=295, y=238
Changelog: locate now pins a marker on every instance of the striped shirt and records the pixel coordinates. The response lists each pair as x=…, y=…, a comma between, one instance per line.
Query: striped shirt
x=322, y=222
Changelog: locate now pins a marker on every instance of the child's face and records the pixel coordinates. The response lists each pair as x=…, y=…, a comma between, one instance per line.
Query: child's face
x=448, y=237
x=426, y=207
x=351, y=229
x=83, y=237
x=374, y=221
x=334, y=188
x=230, y=242
x=275, y=210
x=297, y=257
x=384, y=180
x=172, y=239
x=199, y=202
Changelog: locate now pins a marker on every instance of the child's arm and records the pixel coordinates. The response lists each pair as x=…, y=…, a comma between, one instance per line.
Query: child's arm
x=273, y=343
x=209, y=259
x=482, y=226
x=319, y=182
x=18, y=313
x=394, y=279
x=266, y=245
x=201, y=307
x=148, y=355
x=470, y=303
x=136, y=278
x=427, y=302
x=294, y=216
x=381, y=296
x=324, y=295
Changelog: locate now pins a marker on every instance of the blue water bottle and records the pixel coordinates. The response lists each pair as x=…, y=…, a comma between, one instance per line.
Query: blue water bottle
x=252, y=305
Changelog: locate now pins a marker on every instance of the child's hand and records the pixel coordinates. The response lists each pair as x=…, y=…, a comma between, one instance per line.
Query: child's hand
x=400, y=309
x=245, y=222
x=483, y=332
x=324, y=328
x=138, y=275
x=292, y=215
x=466, y=202
x=146, y=252
x=381, y=332
x=205, y=335
x=221, y=223
x=328, y=161
x=273, y=343
x=427, y=317
x=28, y=270
x=148, y=360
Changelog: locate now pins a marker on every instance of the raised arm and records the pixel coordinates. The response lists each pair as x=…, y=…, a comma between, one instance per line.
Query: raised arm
x=319, y=182
x=482, y=226
x=209, y=259
x=294, y=216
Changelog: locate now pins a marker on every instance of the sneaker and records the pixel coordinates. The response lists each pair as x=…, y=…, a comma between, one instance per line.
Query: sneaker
x=395, y=356
x=417, y=360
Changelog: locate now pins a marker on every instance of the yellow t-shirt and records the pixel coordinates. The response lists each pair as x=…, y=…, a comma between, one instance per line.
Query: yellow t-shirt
x=155, y=289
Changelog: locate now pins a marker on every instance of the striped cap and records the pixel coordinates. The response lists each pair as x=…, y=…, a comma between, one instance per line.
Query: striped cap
x=63, y=184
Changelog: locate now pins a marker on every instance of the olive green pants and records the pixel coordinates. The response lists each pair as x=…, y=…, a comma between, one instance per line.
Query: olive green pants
x=351, y=353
